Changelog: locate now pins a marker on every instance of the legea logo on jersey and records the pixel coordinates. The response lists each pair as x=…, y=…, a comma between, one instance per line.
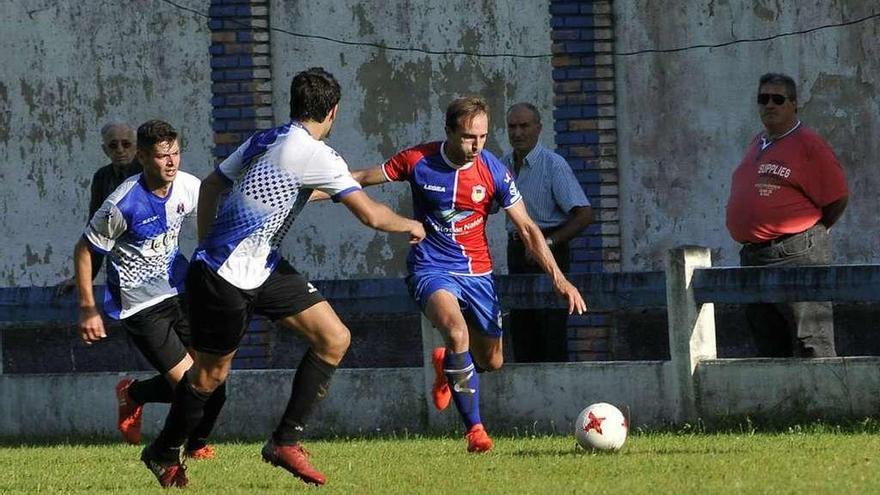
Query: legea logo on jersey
x=478, y=193
x=180, y=208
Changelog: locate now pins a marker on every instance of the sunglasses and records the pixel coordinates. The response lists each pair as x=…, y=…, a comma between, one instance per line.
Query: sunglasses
x=764, y=98
x=117, y=144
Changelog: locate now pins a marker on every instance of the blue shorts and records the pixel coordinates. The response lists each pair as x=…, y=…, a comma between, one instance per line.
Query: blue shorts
x=476, y=296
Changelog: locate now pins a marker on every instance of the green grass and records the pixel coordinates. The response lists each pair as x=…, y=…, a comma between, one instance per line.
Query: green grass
x=800, y=460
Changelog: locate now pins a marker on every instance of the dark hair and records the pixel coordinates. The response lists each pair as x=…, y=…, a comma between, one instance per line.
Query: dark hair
x=313, y=93
x=536, y=115
x=152, y=132
x=781, y=79
x=463, y=109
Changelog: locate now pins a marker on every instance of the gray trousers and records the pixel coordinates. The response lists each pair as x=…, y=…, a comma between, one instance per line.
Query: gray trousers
x=794, y=329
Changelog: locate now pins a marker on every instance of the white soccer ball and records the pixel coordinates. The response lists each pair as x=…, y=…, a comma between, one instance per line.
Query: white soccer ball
x=601, y=426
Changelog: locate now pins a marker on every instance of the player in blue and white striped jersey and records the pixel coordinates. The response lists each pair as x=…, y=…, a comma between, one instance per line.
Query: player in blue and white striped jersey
x=246, y=207
x=137, y=228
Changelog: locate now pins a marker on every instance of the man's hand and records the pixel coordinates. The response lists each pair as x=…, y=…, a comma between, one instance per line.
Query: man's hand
x=416, y=232
x=91, y=325
x=571, y=295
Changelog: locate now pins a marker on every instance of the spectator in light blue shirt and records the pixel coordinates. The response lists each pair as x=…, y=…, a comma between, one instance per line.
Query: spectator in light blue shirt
x=555, y=200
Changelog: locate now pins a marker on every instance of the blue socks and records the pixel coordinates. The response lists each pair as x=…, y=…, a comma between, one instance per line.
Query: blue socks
x=465, y=386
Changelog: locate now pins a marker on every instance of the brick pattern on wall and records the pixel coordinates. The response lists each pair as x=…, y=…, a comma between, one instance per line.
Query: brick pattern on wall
x=241, y=73
x=241, y=89
x=583, y=75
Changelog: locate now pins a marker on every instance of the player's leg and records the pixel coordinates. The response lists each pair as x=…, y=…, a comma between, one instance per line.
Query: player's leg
x=197, y=444
x=444, y=311
x=292, y=301
x=152, y=332
x=219, y=313
x=483, y=315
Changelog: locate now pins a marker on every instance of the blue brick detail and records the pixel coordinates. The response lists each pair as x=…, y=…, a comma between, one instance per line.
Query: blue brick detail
x=566, y=35
x=218, y=101
x=572, y=47
x=560, y=125
x=226, y=113
x=564, y=8
x=228, y=11
x=579, y=21
x=216, y=49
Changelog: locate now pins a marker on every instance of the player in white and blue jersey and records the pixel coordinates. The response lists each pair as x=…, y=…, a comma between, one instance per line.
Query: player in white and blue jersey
x=137, y=228
x=454, y=185
x=246, y=207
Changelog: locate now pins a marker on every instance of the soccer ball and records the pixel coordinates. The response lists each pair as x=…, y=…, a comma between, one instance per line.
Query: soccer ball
x=600, y=426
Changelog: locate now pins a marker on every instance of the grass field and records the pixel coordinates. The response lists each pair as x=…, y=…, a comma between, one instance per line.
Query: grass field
x=795, y=461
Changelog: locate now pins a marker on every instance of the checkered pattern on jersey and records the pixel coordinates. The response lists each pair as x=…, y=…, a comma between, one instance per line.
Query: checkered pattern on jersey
x=260, y=202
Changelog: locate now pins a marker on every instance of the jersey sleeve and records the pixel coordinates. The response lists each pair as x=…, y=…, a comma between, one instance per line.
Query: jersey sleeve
x=400, y=166
x=233, y=166
x=328, y=173
x=106, y=225
x=506, y=192
x=829, y=183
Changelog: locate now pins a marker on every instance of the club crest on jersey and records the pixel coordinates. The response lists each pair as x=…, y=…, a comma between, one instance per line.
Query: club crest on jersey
x=478, y=193
x=180, y=208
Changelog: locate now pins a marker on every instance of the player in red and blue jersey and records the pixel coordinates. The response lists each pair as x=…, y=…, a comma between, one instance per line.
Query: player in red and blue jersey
x=454, y=184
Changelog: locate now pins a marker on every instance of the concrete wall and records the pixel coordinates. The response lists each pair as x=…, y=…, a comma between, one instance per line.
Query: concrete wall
x=684, y=119
x=540, y=398
x=392, y=100
x=68, y=68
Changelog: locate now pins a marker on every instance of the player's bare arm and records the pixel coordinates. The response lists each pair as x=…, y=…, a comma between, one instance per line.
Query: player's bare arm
x=91, y=325
x=370, y=176
x=213, y=186
x=536, y=246
x=380, y=217
x=365, y=177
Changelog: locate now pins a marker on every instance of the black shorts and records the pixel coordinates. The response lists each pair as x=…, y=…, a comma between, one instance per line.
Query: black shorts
x=161, y=333
x=220, y=312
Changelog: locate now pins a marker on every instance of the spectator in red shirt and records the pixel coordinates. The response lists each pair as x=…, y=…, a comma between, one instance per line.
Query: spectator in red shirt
x=784, y=197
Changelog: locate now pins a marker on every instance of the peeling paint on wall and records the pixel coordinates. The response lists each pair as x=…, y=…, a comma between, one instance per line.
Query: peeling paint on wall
x=69, y=68
x=392, y=100
x=685, y=119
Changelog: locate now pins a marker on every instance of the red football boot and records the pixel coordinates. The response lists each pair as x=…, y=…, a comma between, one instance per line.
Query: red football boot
x=478, y=439
x=294, y=459
x=130, y=412
x=440, y=392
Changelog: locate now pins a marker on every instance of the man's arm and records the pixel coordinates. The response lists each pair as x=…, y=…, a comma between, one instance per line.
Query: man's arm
x=380, y=217
x=209, y=195
x=536, y=246
x=831, y=212
x=578, y=219
x=365, y=177
x=91, y=325
x=370, y=176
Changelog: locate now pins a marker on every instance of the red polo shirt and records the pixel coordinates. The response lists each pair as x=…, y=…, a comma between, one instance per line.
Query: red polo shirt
x=783, y=188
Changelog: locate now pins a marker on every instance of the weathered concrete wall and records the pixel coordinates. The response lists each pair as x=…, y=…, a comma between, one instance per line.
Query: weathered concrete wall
x=684, y=119
x=393, y=99
x=542, y=398
x=67, y=69
x=71, y=67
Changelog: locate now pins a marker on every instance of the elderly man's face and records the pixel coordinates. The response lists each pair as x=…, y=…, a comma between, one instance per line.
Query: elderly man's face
x=777, y=110
x=523, y=130
x=119, y=145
